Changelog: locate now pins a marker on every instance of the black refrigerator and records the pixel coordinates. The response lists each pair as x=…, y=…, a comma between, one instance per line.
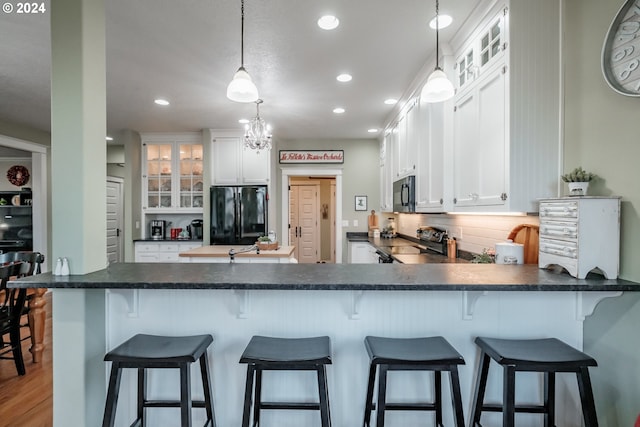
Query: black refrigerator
x=238, y=214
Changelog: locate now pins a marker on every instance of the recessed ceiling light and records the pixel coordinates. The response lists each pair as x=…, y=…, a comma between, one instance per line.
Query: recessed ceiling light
x=328, y=22
x=443, y=20
x=391, y=101
x=344, y=78
x=108, y=138
x=338, y=110
x=372, y=130
x=161, y=102
x=243, y=121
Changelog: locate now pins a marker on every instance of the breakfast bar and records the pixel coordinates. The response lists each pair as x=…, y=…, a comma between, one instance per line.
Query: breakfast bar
x=346, y=302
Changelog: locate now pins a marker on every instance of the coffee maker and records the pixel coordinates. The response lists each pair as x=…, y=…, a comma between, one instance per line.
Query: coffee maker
x=196, y=229
x=158, y=228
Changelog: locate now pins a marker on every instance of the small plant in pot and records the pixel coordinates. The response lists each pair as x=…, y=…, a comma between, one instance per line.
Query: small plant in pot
x=578, y=181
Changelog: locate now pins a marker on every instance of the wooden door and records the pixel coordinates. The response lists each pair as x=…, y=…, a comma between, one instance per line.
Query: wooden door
x=303, y=220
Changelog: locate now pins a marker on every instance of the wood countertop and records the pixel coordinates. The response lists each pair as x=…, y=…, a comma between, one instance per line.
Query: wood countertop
x=223, y=251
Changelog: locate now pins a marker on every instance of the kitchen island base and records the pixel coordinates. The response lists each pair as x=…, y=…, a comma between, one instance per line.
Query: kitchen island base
x=290, y=313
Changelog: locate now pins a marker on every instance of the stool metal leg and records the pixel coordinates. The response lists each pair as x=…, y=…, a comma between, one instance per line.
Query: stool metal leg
x=368, y=405
x=112, y=396
x=185, y=395
x=456, y=396
x=586, y=397
x=382, y=395
x=508, y=396
x=437, y=380
x=323, y=391
x=142, y=395
x=248, y=395
x=257, y=399
x=481, y=384
x=206, y=386
x=549, y=399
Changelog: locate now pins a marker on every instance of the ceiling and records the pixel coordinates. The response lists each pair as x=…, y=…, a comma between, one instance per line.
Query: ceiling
x=188, y=50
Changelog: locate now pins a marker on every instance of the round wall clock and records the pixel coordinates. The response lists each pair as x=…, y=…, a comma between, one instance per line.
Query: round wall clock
x=621, y=50
x=18, y=175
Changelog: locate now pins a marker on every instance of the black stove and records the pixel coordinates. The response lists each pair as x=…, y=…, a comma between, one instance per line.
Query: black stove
x=434, y=239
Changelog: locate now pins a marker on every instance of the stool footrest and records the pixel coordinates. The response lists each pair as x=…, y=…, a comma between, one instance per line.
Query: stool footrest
x=171, y=404
x=290, y=405
x=530, y=409
x=410, y=406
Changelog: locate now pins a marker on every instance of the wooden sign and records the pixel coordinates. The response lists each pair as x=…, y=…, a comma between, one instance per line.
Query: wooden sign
x=311, y=156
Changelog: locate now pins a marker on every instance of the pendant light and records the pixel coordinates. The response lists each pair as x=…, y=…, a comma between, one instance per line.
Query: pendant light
x=257, y=133
x=438, y=87
x=242, y=88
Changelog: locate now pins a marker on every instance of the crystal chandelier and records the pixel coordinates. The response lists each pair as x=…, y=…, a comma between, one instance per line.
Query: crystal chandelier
x=257, y=134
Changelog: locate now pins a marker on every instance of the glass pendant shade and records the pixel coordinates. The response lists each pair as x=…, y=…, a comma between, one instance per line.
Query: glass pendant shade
x=242, y=88
x=438, y=87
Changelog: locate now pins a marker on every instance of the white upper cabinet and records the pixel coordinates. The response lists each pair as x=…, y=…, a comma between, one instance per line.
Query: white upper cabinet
x=430, y=157
x=232, y=164
x=172, y=166
x=386, y=174
x=506, y=119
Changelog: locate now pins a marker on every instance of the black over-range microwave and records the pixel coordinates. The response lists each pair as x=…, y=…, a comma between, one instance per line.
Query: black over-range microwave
x=404, y=194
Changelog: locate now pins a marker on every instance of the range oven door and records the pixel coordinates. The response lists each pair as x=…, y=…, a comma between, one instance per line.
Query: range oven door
x=384, y=258
x=404, y=194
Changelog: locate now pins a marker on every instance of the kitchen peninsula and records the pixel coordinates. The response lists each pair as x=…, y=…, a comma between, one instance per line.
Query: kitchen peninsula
x=346, y=302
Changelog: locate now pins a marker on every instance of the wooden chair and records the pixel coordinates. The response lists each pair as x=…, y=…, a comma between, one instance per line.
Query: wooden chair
x=527, y=234
x=11, y=305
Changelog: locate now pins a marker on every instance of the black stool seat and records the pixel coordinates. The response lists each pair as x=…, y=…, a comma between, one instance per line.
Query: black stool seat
x=270, y=354
x=153, y=351
x=548, y=356
x=411, y=354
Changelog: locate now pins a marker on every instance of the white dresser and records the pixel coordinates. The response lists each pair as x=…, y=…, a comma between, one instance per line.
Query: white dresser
x=580, y=234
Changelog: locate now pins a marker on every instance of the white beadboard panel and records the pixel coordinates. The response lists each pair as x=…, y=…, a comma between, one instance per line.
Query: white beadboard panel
x=315, y=313
x=478, y=231
x=534, y=103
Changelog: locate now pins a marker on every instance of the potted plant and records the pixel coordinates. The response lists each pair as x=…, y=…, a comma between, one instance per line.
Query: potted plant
x=578, y=181
x=265, y=244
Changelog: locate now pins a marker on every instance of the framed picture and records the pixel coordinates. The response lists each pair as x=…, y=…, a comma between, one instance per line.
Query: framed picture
x=361, y=203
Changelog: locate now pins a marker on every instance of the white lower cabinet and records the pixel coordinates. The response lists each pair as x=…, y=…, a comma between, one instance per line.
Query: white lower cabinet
x=362, y=253
x=162, y=251
x=580, y=234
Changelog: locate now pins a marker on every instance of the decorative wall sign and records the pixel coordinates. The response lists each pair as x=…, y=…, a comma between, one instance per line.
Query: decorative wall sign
x=311, y=156
x=361, y=203
x=621, y=51
x=18, y=175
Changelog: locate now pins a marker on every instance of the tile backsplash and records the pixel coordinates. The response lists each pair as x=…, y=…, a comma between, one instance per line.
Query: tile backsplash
x=472, y=232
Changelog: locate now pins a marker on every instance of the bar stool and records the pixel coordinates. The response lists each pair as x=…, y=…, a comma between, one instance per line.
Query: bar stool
x=549, y=355
x=151, y=351
x=283, y=354
x=412, y=354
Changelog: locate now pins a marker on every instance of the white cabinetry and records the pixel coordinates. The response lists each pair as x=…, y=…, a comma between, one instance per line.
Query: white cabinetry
x=362, y=253
x=386, y=175
x=506, y=110
x=580, y=234
x=232, y=164
x=162, y=251
x=430, y=157
x=172, y=166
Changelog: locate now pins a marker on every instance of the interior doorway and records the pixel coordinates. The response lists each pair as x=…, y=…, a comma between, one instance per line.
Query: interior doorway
x=312, y=218
x=325, y=209
x=115, y=219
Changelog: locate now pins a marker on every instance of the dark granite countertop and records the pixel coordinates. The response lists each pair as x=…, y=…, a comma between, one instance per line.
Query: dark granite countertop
x=380, y=277
x=150, y=240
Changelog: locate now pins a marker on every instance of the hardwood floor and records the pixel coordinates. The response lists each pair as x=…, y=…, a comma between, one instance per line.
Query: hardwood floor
x=27, y=401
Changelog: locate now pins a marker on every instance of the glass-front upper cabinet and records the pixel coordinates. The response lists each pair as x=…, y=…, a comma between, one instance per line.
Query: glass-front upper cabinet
x=172, y=173
x=191, y=175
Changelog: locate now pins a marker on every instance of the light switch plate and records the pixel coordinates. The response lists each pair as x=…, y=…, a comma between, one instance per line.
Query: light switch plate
x=355, y=222
x=345, y=222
